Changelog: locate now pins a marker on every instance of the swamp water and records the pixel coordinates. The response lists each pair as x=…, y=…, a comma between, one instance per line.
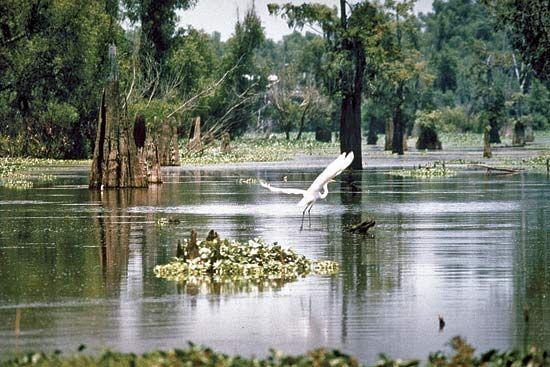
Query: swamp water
x=76, y=267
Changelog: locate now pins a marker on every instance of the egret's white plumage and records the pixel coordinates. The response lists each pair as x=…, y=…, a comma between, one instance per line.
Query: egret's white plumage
x=319, y=188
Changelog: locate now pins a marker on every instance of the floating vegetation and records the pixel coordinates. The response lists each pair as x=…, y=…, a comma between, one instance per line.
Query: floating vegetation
x=537, y=163
x=22, y=173
x=438, y=169
x=194, y=355
x=167, y=220
x=248, y=181
x=19, y=184
x=256, y=149
x=220, y=261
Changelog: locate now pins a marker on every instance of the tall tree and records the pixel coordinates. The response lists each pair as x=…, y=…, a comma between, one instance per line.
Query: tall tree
x=158, y=23
x=232, y=109
x=348, y=38
x=528, y=24
x=49, y=63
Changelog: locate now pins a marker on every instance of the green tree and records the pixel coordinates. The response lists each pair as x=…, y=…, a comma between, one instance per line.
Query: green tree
x=50, y=60
x=232, y=108
x=401, y=70
x=158, y=24
x=348, y=38
x=528, y=25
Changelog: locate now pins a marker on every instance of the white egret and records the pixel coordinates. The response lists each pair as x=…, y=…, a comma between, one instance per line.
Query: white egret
x=319, y=187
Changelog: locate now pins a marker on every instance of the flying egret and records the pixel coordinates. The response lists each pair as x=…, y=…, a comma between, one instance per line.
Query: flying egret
x=319, y=187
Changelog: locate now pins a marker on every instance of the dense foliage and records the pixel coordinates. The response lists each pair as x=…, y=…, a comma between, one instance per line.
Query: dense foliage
x=468, y=63
x=463, y=356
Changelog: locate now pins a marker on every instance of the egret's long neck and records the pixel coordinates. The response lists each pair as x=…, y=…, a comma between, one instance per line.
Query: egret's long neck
x=324, y=193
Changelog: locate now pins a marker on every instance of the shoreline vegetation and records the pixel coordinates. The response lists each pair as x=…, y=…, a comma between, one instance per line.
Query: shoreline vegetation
x=462, y=355
x=24, y=173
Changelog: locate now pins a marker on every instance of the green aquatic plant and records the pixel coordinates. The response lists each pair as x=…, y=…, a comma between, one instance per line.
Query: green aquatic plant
x=437, y=169
x=23, y=173
x=257, y=149
x=463, y=355
x=219, y=261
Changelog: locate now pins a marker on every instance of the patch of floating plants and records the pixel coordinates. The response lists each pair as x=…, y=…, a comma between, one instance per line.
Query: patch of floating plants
x=222, y=261
x=17, y=173
x=438, y=169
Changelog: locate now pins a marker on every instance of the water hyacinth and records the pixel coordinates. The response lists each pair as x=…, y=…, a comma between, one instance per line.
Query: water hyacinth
x=258, y=149
x=23, y=173
x=220, y=261
x=438, y=169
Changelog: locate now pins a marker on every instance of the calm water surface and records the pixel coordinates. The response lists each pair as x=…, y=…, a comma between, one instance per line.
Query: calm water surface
x=76, y=267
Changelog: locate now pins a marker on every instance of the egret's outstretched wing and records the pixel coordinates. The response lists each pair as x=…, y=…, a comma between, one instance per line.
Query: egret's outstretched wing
x=332, y=170
x=282, y=190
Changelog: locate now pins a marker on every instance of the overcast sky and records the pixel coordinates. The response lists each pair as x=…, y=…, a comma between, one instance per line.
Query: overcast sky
x=221, y=15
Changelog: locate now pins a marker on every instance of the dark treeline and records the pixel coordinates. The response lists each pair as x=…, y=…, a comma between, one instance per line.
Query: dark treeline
x=465, y=66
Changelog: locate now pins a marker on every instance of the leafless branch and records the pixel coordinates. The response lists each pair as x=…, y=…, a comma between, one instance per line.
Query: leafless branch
x=207, y=91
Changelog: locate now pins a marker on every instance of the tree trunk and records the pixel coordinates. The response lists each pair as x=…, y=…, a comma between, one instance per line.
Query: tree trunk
x=194, y=144
x=494, y=137
x=115, y=162
x=486, y=144
x=388, y=134
x=372, y=138
x=167, y=143
x=350, y=113
x=398, y=124
x=518, y=138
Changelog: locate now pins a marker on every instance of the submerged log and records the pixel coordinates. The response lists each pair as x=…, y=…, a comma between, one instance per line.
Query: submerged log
x=499, y=169
x=363, y=227
x=115, y=162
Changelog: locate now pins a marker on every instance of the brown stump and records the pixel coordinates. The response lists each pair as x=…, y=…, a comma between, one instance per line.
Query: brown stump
x=389, y=135
x=115, y=162
x=427, y=138
x=194, y=144
x=486, y=145
x=518, y=138
x=323, y=134
x=192, y=246
x=226, y=138
x=167, y=142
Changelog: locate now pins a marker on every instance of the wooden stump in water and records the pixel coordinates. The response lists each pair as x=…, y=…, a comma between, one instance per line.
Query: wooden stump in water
x=518, y=138
x=167, y=144
x=194, y=144
x=115, y=162
x=323, y=134
x=364, y=227
x=389, y=134
x=212, y=235
x=486, y=145
x=192, y=246
x=427, y=138
x=226, y=138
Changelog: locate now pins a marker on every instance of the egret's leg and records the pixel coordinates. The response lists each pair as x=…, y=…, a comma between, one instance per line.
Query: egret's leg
x=309, y=213
x=303, y=214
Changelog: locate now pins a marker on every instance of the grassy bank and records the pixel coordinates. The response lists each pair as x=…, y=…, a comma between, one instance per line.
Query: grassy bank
x=463, y=355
